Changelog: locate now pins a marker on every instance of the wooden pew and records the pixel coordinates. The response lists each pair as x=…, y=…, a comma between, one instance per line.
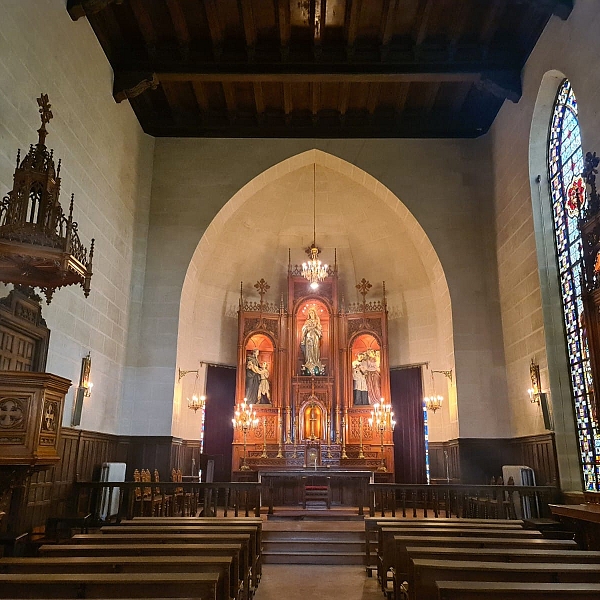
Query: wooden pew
x=110, y=585
x=210, y=521
x=423, y=573
x=373, y=524
x=401, y=542
x=228, y=587
x=237, y=574
x=486, y=590
x=386, y=545
x=253, y=529
x=118, y=535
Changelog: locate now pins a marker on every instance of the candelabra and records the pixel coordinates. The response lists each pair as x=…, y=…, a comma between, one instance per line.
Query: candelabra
x=344, y=455
x=245, y=419
x=361, y=453
x=382, y=419
x=264, y=452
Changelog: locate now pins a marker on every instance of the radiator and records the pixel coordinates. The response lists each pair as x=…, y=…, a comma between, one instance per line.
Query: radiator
x=109, y=502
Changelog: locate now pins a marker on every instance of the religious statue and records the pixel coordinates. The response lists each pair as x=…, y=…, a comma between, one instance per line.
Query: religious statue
x=373, y=376
x=253, y=376
x=264, y=389
x=359, y=379
x=311, y=343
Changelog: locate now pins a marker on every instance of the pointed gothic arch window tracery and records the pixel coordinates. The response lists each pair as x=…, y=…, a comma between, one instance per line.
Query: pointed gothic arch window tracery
x=565, y=165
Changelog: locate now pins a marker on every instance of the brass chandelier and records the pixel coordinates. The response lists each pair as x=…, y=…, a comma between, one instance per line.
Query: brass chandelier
x=313, y=269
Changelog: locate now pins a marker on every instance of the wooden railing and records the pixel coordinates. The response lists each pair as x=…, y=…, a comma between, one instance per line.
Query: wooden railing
x=246, y=499
x=462, y=501
x=165, y=498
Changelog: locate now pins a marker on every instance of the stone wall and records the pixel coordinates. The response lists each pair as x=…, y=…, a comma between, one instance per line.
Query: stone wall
x=529, y=295
x=107, y=164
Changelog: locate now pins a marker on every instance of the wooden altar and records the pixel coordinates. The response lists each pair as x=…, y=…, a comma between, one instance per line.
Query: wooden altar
x=313, y=368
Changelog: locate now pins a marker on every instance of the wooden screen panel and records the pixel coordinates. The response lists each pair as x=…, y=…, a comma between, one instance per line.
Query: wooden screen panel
x=16, y=350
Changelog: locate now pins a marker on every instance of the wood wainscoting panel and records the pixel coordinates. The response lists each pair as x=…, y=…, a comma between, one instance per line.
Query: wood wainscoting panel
x=477, y=460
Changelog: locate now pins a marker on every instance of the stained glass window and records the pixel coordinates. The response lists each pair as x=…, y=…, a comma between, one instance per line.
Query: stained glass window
x=565, y=165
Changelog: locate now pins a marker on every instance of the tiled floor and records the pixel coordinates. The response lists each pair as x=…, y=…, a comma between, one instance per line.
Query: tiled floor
x=305, y=582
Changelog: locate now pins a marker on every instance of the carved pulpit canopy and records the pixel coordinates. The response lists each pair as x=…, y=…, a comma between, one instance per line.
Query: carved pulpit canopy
x=39, y=244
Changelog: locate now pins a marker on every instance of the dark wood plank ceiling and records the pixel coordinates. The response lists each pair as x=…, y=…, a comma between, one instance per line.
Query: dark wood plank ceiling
x=317, y=68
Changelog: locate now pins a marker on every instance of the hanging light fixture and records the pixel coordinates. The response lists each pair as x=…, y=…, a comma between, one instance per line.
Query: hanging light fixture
x=434, y=402
x=313, y=269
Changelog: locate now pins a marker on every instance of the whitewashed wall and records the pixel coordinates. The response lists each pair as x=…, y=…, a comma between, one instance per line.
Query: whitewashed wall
x=107, y=164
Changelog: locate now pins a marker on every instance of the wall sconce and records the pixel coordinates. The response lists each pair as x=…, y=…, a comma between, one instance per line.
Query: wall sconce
x=434, y=402
x=83, y=390
x=196, y=402
x=535, y=391
x=84, y=378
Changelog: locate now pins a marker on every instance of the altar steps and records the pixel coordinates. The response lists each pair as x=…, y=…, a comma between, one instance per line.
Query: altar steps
x=317, y=546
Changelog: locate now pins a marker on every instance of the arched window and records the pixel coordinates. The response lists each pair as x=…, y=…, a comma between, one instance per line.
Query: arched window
x=565, y=164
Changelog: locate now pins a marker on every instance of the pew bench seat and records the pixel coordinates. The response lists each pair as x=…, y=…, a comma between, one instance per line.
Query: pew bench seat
x=110, y=585
x=505, y=590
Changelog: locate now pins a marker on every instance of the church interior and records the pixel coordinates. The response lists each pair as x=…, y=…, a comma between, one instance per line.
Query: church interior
x=328, y=257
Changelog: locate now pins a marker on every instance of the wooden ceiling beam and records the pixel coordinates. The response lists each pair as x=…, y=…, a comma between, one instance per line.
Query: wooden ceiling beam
x=422, y=22
x=344, y=98
x=249, y=27
x=201, y=97
x=315, y=99
x=353, y=21
x=214, y=27
x=259, y=100
x=179, y=24
x=491, y=22
x=285, y=29
x=359, y=75
x=417, y=124
x=287, y=101
x=230, y=103
x=387, y=26
x=144, y=22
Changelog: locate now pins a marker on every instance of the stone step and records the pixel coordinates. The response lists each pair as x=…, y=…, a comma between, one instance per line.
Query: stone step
x=309, y=546
x=314, y=536
x=314, y=558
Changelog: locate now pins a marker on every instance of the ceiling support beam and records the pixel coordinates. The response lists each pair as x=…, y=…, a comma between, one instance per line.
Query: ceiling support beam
x=180, y=26
x=129, y=84
x=355, y=6
x=84, y=8
x=216, y=32
x=387, y=27
x=285, y=32
x=249, y=28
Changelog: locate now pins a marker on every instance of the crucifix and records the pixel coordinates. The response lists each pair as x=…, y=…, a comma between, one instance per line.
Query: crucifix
x=363, y=287
x=261, y=287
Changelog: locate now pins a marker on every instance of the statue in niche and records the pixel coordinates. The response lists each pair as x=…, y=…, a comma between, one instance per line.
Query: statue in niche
x=373, y=376
x=264, y=388
x=359, y=379
x=312, y=332
x=253, y=376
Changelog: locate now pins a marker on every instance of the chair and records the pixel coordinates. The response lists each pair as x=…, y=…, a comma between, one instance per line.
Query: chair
x=318, y=489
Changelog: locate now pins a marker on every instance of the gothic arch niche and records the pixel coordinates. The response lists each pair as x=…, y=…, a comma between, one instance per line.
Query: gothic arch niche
x=369, y=226
x=556, y=352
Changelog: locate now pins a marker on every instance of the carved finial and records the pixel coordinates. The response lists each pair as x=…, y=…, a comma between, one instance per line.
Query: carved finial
x=363, y=287
x=289, y=260
x=71, y=207
x=18, y=157
x=58, y=168
x=343, y=304
x=281, y=304
x=384, y=298
x=261, y=287
x=335, y=260
x=241, y=294
x=45, y=115
x=92, y=252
